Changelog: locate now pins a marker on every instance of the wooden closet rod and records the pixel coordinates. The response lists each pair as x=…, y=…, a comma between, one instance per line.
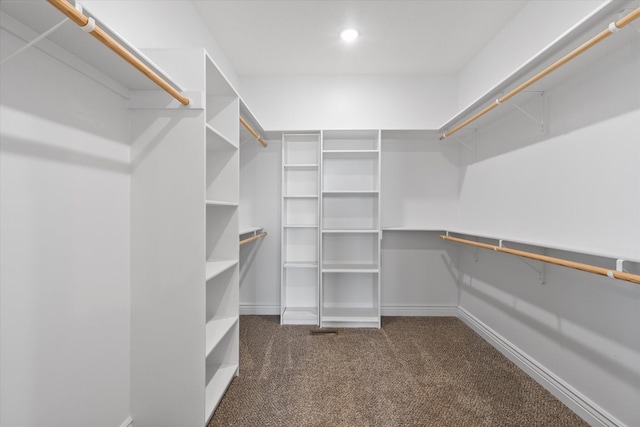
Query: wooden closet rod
x=613, y=27
x=252, y=238
x=558, y=261
x=252, y=132
x=88, y=24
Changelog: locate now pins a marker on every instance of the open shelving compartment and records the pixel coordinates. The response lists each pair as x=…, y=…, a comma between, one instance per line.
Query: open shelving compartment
x=350, y=299
x=300, y=229
x=350, y=171
x=343, y=211
x=222, y=194
x=350, y=234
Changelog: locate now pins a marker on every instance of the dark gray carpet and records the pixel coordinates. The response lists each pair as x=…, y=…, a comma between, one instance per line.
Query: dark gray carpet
x=413, y=372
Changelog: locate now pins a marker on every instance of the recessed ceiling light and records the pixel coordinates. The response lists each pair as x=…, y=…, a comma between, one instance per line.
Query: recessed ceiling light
x=349, y=35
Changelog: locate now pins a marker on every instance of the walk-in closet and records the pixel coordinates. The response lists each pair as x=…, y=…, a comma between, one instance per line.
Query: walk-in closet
x=319, y=213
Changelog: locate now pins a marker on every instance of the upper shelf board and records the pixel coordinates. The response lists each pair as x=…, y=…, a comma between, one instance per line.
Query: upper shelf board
x=35, y=18
x=582, y=31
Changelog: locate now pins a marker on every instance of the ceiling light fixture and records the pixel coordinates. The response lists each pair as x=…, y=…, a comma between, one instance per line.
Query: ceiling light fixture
x=349, y=35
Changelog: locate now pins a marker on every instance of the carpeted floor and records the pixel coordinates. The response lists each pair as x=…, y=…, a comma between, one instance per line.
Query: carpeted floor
x=413, y=372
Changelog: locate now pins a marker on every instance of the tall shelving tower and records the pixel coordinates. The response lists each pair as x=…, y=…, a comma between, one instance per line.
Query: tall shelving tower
x=300, y=226
x=184, y=245
x=350, y=218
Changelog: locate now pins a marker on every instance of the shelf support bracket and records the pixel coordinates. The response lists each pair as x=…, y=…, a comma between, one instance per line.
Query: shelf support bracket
x=541, y=271
x=473, y=149
x=620, y=265
x=34, y=41
x=543, y=114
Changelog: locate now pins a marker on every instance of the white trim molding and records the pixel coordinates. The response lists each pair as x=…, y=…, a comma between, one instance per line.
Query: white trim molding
x=386, y=310
x=577, y=402
x=420, y=310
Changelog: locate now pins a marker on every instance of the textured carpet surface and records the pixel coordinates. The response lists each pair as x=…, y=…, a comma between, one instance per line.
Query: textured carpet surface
x=412, y=372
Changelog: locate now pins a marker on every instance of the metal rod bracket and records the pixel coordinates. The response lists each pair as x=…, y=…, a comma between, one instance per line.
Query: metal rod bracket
x=34, y=41
x=471, y=148
x=543, y=113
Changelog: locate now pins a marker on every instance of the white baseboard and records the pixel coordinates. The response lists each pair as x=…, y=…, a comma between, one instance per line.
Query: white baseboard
x=261, y=310
x=420, y=310
x=581, y=405
x=127, y=423
x=387, y=310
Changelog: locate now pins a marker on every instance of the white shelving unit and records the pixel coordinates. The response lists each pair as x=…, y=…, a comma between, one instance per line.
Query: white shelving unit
x=185, y=253
x=350, y=234
x=222, y=229
x=300, y=229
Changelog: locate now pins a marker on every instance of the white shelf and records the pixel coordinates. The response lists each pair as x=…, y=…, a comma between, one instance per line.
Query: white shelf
x=553, y=50
x=415, y=228
x=351, y=193
x=539, y=244
x=350, y=268
x=308, y=196
x=221, y=203
x=300, y=264
x=214, y=268
x=221, y=377
x=351, y=231
x=216, y=141
x=300, y=316
x=302, y=167
x=216, y=329
x=350, y=152
x=350, y=314
x=301, y=226
x=97, y=61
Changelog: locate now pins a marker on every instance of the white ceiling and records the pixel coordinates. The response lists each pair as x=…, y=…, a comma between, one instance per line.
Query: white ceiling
x=301, y=37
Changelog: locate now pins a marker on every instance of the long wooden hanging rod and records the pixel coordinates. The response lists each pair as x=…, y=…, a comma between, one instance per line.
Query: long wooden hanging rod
x=634, y=278
x=613, y=27
x=252, y=238
x=252, y=132
x=89, y=25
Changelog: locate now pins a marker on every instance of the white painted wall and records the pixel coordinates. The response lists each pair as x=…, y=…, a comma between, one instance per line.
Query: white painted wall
x=417, y=275
x=350, y=102
x=419, y=183
x=260, y=206
x=577, y=187
x=419, y=189
x=537, y=25
x=578, y=327
x=64, y=246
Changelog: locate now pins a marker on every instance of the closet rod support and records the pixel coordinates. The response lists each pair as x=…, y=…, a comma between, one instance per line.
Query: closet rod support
x=540, y=271
x=36, y=40
x=540, y=121
x=620, y=265
x=469, y=147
